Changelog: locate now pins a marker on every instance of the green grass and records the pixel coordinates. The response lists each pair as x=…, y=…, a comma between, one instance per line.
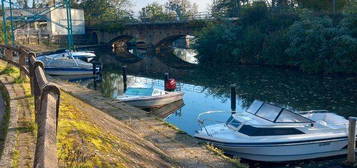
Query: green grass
x=7, y=69
x=81, y=143
x=15, y=159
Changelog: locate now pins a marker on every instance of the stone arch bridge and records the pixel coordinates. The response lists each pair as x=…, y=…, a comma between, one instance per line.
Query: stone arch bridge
x=153, y=35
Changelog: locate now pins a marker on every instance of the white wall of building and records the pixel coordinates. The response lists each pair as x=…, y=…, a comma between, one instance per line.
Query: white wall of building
x=60, y=16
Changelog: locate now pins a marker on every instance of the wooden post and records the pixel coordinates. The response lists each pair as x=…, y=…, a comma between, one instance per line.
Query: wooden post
x=8, y=54
x=22, y=61
x=233, y=98
x=351, y=158
x=166, y=79
x=124, y=78
x=46, y=146
x=94, y=68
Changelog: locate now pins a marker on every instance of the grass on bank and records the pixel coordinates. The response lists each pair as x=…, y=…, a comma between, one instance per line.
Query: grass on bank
x=81, y=143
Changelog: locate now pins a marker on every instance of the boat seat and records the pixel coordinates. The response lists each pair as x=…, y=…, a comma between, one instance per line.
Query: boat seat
x=330, y=120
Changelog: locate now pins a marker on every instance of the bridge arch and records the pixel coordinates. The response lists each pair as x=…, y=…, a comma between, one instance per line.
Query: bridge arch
x=164, y=50
x=167, y=41
x=121, y=38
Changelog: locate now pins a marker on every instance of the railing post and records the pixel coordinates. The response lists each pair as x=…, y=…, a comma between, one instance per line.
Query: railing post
x=8, y=54
x=124, y=78
x=22, y=60
x=46, y=147
x=351, y=158
x=31, y=61
x=37, y=88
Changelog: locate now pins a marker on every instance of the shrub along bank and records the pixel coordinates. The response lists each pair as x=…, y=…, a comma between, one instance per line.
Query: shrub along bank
x=299, y=38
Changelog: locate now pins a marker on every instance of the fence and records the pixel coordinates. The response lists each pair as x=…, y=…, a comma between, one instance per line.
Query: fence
x=46, y=100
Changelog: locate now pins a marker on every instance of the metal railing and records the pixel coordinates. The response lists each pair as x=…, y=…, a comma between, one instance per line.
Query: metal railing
x=46, y=99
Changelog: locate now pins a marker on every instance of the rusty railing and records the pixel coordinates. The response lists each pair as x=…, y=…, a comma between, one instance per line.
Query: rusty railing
x=46, y=99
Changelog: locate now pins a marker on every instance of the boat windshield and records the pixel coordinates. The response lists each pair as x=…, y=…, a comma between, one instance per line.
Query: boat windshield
x=275, y=113
x=232, y=123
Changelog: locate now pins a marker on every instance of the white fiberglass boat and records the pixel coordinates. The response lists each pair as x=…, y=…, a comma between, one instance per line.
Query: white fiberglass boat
x=266, y=132
x=66, y=64
x=149, y=97
x=86, y=56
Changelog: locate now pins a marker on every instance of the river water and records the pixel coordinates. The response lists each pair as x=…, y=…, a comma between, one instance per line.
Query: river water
x=209, y=90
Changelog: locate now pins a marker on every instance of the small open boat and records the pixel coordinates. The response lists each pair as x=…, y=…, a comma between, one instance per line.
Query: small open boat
x=149, y=97
x=66, y=64
x=267, y=132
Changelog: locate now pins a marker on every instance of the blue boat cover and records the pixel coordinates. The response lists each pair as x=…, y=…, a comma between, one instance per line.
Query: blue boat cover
x=139, y=92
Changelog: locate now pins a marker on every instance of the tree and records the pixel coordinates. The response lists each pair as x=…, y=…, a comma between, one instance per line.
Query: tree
x=325, y=6
x=182, y=8
x=105, y=10
x=227, y=8
x=153, y=12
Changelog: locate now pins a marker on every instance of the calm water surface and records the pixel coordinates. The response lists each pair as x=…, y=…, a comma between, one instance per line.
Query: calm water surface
x=209, y=90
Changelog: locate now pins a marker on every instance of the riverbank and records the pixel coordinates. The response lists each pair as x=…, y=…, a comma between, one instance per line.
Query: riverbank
x=82, y=141
x=90, y=137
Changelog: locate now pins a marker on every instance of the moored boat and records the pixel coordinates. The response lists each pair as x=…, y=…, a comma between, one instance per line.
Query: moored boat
x=267, y=132
x=66, y=64
x=86, y=56
x=149, y=97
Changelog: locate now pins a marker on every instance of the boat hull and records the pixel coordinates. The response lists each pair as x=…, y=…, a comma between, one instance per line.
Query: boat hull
x=68, y=71
x=278, y=152
x=155, y=101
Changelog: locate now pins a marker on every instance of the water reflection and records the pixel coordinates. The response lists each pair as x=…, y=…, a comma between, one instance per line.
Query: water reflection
x=207, y=90
x=187, y=55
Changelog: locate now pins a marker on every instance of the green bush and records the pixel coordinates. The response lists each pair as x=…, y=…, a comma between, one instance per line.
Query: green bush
x=317, y=46
x=293, y=38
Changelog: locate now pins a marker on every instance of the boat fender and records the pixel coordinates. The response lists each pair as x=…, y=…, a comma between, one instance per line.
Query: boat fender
x=170, y=85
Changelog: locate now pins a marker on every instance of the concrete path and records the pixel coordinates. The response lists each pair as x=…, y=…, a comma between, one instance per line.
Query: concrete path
x=184, y=149
x=20, y=141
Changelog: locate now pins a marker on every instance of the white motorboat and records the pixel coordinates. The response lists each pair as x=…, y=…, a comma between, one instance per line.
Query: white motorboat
x=149, y=97
x=266, y=132
x=87, y=56
x=66, y=64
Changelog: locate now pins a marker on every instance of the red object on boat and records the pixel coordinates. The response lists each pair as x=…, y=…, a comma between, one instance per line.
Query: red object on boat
x=170, y=85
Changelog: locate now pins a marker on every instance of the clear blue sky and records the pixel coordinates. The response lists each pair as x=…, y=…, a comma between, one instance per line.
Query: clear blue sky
x=138, y=4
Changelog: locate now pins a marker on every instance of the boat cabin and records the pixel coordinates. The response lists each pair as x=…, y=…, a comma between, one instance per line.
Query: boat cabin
x=263, y=119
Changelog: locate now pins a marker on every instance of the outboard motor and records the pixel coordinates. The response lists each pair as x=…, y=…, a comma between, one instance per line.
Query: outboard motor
x=170, y=83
